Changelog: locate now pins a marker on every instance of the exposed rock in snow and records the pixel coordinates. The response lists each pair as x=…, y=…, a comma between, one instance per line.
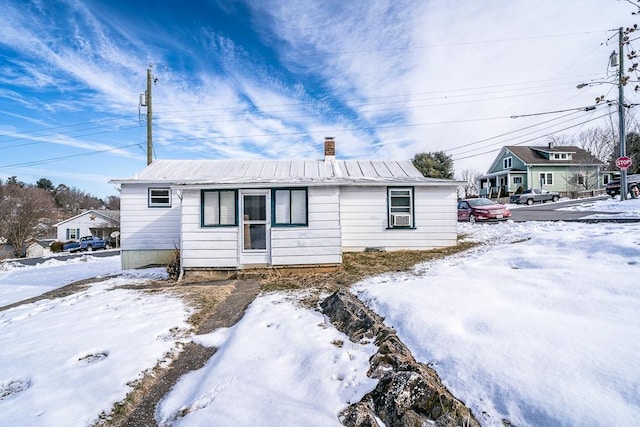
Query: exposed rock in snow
x=408, y=393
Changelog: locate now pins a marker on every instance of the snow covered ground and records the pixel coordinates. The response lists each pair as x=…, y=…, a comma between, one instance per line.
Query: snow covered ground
x=19, y=283
x=541, y=327
x=65, y=360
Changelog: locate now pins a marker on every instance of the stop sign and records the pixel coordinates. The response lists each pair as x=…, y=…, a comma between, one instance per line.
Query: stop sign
x=623, y=163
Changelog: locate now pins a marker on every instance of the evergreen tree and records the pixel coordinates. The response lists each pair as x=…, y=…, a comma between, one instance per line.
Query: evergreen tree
x=45, y=184
x=434, y=165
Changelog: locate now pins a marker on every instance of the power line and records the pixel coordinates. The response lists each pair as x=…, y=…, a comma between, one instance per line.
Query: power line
x=533, y=132
x=520, y=136
x=56, y=159
x=532, y=139
x=367, y=101
x=58, y=143
x=55, y=127
x=93, y=152
x=462, y=43
x=591, y=108
x=511, y=132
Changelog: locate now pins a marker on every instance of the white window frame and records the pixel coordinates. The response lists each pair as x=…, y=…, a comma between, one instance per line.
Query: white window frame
x=397, y=193
x=73, y=233
x=159, y=197
x=507, y=163
x=546, y=178
x=517, y=180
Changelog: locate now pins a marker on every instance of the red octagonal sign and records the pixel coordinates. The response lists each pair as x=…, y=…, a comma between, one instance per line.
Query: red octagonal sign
x=623, y=163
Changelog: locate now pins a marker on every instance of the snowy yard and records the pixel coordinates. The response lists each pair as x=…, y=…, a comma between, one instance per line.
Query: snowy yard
x=541, y=327
x=19, y=283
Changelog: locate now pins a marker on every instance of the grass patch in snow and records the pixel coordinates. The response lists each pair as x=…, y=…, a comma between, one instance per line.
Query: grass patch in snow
x=355, y=267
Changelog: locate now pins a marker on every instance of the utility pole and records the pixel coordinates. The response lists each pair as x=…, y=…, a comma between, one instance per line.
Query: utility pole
x=149, y=117
x=622, y=147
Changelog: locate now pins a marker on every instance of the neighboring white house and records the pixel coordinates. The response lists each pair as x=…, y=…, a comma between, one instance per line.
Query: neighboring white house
x=95, y=222
x=239, y=214
x=39, y=247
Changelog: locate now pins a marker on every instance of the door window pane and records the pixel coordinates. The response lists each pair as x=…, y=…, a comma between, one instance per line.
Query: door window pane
x=255, y=236
x=255, y=208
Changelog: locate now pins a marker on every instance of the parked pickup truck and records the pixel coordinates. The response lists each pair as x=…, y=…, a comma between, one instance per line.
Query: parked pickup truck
x=613, y=187
x=86, y=243
x=531, y=196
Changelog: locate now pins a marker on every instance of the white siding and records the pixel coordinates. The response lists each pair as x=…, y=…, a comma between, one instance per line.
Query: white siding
x=85, y=224
x=145, y=228
x=317, y=243
x=218, y=247
x=363, y=215
x=205, y=247
x=339, y=219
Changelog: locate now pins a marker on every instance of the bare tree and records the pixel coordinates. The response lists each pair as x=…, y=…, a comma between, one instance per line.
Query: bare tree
x=600, y=142
x=584, y=180
x=74, y=201
x=612, y=133
x=22, y=211
x=559, y=140
x=470, y=188
x=113, y=203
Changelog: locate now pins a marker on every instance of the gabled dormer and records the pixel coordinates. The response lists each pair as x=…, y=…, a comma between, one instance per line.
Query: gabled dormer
x=553, y=153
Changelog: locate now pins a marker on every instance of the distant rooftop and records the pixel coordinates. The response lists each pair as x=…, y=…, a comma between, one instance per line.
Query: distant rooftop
x=532, y=154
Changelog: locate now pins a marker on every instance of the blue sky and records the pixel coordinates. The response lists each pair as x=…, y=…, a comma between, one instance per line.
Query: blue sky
x=272, y=78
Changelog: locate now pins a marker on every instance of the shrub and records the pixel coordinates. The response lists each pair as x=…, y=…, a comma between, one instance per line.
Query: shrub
x=173, y=268
x=56, y=246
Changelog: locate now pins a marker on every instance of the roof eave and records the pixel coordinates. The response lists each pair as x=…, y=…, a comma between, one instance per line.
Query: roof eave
x=358, y=183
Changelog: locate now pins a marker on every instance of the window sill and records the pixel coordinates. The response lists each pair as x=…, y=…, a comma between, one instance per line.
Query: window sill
x=401, y=228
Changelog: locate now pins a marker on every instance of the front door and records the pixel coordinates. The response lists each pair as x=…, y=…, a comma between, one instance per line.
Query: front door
x=255, y=227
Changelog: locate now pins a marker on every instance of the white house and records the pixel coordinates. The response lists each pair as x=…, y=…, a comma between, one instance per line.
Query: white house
x=240, y=214
x=39, y=247
x=95, y=222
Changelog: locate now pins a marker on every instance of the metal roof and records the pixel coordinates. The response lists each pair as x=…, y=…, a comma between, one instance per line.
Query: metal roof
x=307, y=172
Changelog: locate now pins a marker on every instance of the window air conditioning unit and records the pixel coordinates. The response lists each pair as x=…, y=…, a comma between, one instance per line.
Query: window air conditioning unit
x=400, y=220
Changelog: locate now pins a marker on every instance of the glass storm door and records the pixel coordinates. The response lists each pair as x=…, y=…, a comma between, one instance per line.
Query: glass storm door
x=255, y=229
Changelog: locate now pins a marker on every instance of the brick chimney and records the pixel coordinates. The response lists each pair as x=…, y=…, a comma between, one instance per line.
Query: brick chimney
x=329, y=148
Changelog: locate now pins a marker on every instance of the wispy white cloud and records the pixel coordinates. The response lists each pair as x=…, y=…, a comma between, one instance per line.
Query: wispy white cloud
x=408, y=48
